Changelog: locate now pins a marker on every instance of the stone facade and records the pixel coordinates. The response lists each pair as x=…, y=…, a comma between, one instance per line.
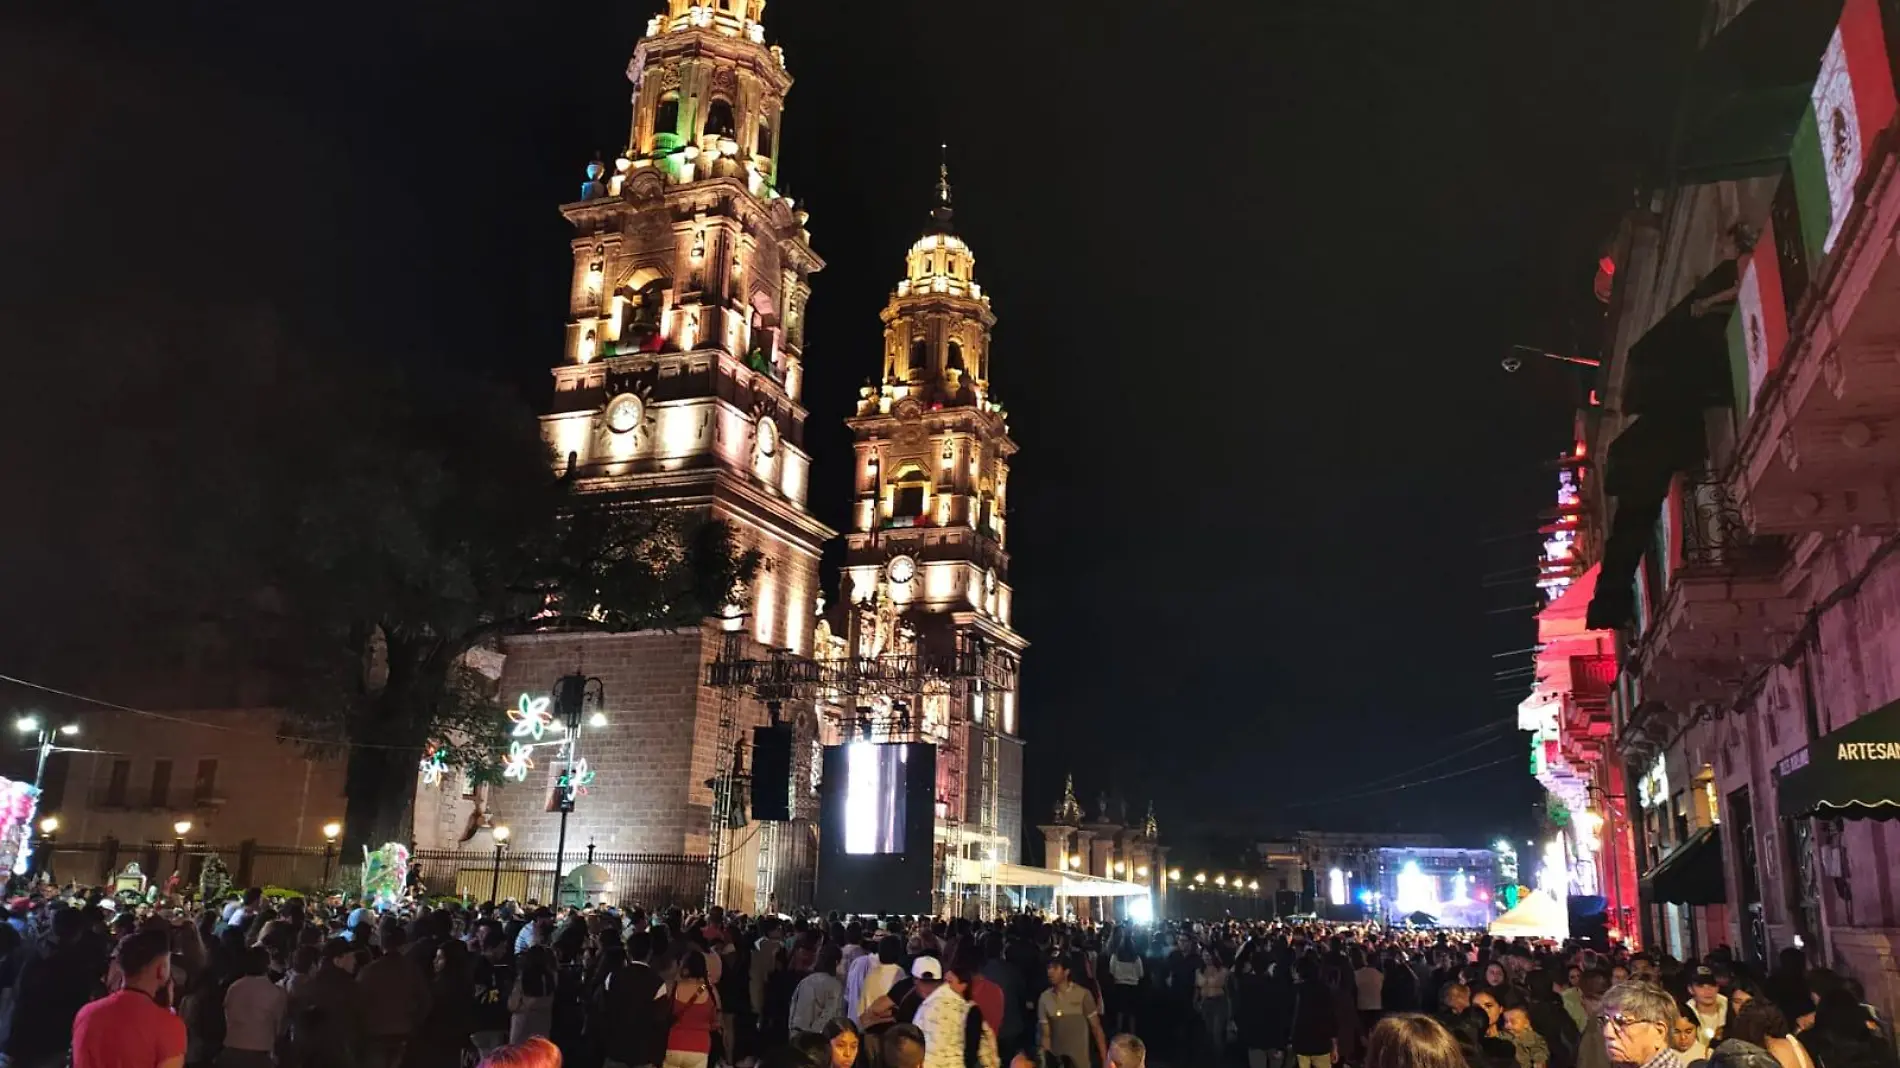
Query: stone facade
x=926, y=565
x=1741, y=519
x=223, y=770
x=680, y=386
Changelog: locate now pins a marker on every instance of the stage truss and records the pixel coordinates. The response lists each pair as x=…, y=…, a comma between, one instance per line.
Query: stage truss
x=950, y=698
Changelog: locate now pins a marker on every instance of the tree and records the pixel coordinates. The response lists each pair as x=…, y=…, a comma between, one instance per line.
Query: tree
x=344, y=533
x=214, y=881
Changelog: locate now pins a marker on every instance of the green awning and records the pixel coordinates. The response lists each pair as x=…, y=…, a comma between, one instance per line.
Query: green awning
x=1691, y=874
x=1749, y=89
x=1849, y=773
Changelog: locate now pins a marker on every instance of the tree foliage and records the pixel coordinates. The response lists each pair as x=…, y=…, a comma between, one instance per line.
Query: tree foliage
x=332, y=536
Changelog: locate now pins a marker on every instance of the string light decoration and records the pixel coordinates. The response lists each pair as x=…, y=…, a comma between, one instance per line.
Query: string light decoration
x=433, y=768
x=518, y=763
x=579, y=777
x=531, y=717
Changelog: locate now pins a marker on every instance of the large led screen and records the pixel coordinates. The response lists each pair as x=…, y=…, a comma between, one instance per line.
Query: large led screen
x=875, y=797
x=877, y=813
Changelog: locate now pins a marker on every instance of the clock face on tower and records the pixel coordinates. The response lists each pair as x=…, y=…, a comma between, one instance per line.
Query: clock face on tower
x=768, y=436
x=900, y=570
x=623, y=413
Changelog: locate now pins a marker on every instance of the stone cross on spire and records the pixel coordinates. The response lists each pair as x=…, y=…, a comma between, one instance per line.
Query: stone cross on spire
x=1069, y=810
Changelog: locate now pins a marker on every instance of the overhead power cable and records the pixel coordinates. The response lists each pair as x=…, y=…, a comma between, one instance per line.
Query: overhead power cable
x=1402, y=786
x=114, y=706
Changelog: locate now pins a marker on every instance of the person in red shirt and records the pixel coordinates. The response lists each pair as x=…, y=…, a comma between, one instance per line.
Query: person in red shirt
x=129, y=1028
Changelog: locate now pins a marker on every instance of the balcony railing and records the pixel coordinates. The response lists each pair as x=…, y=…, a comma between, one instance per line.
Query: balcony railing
x=1722, y=612
x=1593, y=677
x=1715, y=537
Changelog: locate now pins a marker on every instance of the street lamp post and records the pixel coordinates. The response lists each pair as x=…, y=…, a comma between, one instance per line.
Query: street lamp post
x=181, y=828
x=570, y=697
x=331, y=831
x=494, y=886
x=31, y=723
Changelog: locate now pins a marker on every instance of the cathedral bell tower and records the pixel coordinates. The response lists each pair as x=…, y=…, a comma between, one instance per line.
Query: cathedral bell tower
x=928, y=541
x=683, y=369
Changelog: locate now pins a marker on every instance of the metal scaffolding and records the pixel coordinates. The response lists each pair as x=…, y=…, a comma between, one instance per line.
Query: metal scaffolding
x=944, y=687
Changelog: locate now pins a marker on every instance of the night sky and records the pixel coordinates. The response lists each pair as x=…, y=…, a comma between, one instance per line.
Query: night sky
x=1255, y=263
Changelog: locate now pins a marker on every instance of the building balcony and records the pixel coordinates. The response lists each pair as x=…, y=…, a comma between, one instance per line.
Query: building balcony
x=1722, y=612
x=1821, y=449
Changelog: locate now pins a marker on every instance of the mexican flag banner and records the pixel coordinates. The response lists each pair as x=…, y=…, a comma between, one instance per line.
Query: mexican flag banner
x=1758, y=328
x=1852, y=102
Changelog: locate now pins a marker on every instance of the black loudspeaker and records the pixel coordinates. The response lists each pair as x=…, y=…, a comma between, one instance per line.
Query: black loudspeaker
x=1285, y=902
x=772, y=772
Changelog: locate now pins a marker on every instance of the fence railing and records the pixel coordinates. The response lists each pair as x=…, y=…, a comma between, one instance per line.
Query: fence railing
x=652, y=880
x=249, y=863
x=649, y=880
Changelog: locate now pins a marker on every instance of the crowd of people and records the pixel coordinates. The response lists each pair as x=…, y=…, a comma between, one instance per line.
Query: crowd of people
x=293, y=984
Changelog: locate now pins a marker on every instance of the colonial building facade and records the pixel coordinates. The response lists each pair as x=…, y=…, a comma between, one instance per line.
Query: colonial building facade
x=926, y=565
x=680, y=384
x=1739, y=505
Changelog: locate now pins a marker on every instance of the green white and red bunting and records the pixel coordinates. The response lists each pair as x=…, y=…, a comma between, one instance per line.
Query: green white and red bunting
x=1852, y=102
x=1759, y=326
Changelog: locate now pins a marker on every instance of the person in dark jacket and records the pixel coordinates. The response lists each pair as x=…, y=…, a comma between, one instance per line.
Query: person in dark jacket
x=395, y=1000
x=634, y=1009
x=451, y=1019
x=63, y=973
x=1315, y=1031
x=1263, y=1006
x=1843, y=1035
x=327, y=1011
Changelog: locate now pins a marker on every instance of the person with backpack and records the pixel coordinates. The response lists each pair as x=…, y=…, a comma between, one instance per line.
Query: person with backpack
x=955, y=1035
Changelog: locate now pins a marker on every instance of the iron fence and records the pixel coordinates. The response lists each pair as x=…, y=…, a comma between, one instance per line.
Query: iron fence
x=648, y=880
x=302, y=868
x=651, y=880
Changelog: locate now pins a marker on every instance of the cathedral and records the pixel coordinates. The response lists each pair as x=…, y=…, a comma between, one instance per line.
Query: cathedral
x=680, y=384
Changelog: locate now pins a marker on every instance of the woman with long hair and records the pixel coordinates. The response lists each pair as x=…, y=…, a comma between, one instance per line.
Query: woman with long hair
x=1125, y=972
x=695, y=1006
x=1412, y=1040
x=1210, y=998
x=845, y=1043
x=451, y=1018
x=1843, y=1034
x=531, y=1002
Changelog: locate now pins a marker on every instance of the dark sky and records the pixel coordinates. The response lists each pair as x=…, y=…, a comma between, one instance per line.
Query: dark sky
x=1255, y=263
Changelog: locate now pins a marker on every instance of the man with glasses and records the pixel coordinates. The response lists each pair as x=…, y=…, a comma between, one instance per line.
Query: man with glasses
x=1635, y=1020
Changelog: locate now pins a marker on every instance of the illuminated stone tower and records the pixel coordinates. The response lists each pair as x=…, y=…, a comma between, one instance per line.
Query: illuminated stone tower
x=680, y=383
x=928, y=532
x=685, y=340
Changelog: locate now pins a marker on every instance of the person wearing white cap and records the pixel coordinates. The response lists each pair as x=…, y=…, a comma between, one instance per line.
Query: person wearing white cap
x=949, y=1021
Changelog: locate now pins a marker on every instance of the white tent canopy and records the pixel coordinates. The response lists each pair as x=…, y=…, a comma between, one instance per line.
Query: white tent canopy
x=1537, y=916
x=1068, y=884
